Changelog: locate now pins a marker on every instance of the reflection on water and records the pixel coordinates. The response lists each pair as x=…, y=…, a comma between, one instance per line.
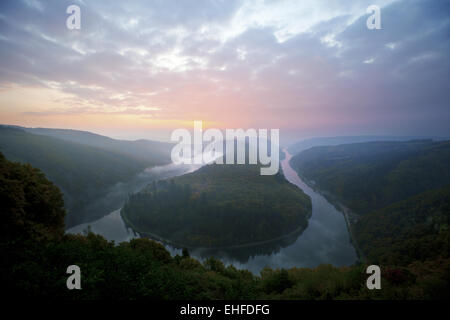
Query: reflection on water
x=324, y=241
x=111, y=227
x=241, y=256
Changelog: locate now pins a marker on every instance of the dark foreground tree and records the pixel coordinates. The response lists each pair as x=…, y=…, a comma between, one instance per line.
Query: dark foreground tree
x=35, y=254
x=31, y=207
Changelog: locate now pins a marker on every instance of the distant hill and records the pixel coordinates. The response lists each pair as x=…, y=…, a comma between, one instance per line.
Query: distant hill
x=83, y=172
x=34, y=246
x=154, y=152
x=398, y=190
x=219, y=205
x=369, y=176
x=334, y=141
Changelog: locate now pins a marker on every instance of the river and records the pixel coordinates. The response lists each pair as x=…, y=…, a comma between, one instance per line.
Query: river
x=325, y=241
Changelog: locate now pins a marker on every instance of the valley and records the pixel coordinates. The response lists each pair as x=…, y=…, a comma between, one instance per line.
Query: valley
x=325, y=240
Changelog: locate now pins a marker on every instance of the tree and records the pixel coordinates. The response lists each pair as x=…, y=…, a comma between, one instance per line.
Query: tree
x=31, y=207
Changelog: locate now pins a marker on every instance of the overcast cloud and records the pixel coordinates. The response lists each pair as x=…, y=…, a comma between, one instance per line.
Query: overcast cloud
x=310, y=67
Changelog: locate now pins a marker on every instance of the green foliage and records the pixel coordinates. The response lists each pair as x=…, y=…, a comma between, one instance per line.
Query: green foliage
x=409, y=230
x=129, y=272
x=84, y=173
x=31, y=207
x=35, y=255
x=185, y=253
x=401, y=191
x=276, y=281
x=219, y=205
x=369, y=176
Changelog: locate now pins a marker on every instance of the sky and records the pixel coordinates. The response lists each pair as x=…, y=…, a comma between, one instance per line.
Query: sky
x=140, y=69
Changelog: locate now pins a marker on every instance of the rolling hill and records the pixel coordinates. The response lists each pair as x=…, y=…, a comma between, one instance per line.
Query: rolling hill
x=153, y=152
x=219, y=205
x=334, y=141
x=399, y=192
x=83, y=172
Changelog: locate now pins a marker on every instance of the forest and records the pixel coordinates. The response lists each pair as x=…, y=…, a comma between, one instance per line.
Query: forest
x=219, y=205
x=77, y=164
x=399, y=193
x=36, y=252
x=370, y=176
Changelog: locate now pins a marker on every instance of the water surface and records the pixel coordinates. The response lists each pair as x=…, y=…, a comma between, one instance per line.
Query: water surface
x=325, y=241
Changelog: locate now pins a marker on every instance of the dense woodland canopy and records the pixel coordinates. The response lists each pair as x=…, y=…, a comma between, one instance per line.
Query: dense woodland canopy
x=35, y=254
x=219, y=205
x=416, y=229
x=400, y=192
x=370, y=176
x=77, y=164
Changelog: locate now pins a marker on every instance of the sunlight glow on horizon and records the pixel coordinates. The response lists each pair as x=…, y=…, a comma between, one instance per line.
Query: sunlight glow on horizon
x=311, y=67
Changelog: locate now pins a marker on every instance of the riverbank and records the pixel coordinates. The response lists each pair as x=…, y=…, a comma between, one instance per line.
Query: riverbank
x=324, y=241
x=350, y=217
x=166, y=241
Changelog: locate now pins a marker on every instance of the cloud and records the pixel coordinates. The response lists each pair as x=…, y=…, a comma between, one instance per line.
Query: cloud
x=308, y=65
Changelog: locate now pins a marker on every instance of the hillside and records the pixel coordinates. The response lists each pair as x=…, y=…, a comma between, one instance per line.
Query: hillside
x=153, y=152
x=334, y=141
x=398, y=190
x=219, y=205
x=84, y=173
x=35, y=254
x=370, y=176
x=416, y=229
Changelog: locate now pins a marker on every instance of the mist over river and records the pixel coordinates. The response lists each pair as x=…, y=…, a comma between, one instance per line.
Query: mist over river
x=325, y=241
